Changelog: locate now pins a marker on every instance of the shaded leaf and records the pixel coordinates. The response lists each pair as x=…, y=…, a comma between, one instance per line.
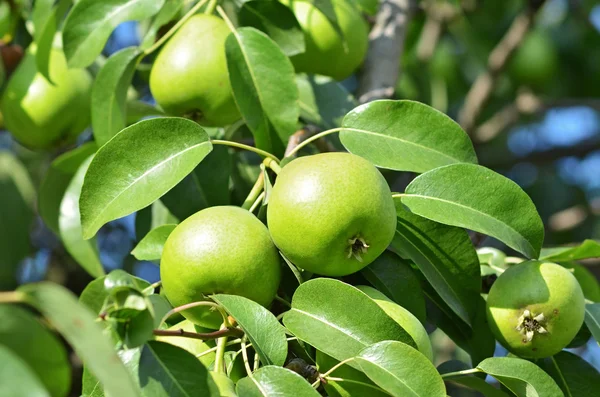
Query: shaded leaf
x=109, y=94
x=276, y=20
x=320, y=317
x=445, y=256
x=401, y=370
x=17, y=379
x=477, y=198
x=95, y=293
x=405, y=136
x=167, y=13
x=78, y=326
x=574, y=375
x=151, y=246
x=323, y=101
x=263, y=83
x=90, y=23
x=272, y=381
x=85, y=252
x=260, y=326
x=137, y=166
x=592, y=319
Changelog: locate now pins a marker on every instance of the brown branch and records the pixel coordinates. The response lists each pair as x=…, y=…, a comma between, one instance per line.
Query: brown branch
x=480, y=92
x=438, y=14
x=386, y=42
x=199, y=335
x=526, y=104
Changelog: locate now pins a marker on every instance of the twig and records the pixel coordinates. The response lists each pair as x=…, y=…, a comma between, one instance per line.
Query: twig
x=382, y=64
x=199, y=335
x=438, y=14
x=480, y=92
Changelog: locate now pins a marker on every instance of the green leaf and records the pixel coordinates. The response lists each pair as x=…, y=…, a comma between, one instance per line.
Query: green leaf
x=78, y=326
x=95, y=293
x=368, y=6
x=260, y=326
x=396, y=279
x=339, y=319
x=477, y=198
x=56, y=181
x=520, y=377
x=135, y=110
x=85, y=252
x=90, y=23
x=472, y=382
x=16, y=215
x=17, y=379
x=43, y=352
x=405, y=136
x=169, y=371
x=323, y=101
x=167, y=13
x=592, y=319
x=46, y=20
x=206, y=186
x=272, y=381
x=137, y=166
x=401, y=370
x=574, y=375
x=109, y=94
x=276, y=20
x=445, y=256
x=151, y=246
x=587, y=249
x=264, y=87
x=90, y=385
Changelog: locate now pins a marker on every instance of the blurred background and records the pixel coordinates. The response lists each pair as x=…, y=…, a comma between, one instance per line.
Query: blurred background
x=539, y=125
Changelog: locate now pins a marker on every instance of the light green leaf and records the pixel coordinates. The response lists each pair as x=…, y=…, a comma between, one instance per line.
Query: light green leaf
x=41, y=350
x=587, y=249
x=56, y=181
x=90, y=23
x=321, y=317
x=263, y=83
x=78, y=326
x=109, y=94
x=95, y=293
x=401, y=370
x=137, y=166
x=46, y=20
x=260, y=326
x=405, y=136
x=151, y=246
x=477, y=198
x=276, y=20
x=272, y=381
x=17, y=379
x=85, y=252
x=575, y=376
x=523, y=378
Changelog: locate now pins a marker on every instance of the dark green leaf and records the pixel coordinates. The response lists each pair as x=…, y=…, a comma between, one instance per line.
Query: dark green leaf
x=472, y=382
x=320, y=316
x=135, y=110
x=520, y=376
x=78, y=326
x=368, y=6
x=137, y=166
x=169, y=371
x=575, y=376
x=151, y=246
x=109, y=94
x=85, y=252
x=405, y=136
x=477, y=198
x=260, y=326
x=395, y=278
x=587, y=249
x=276, y=20
x=272, y=381
x=323, y=101
x=264, y=87
x=16, y=215
x=592, y=319
x=401, y=370
x=445, y=256
x=17, y=379
x=43, y=352
x=57, y=179
x=90, y=23
x=167, y=13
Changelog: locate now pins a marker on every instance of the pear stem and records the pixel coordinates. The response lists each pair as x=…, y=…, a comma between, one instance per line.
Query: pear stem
x=312, y=139
x=210, y=8
x=255, y=191
x=245, y=147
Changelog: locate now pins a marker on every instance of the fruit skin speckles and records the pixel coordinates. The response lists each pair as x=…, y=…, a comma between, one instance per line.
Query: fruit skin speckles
x=331, y=213
x=221, y=249
x=535, y=309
